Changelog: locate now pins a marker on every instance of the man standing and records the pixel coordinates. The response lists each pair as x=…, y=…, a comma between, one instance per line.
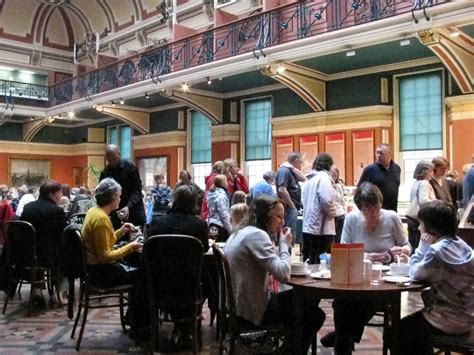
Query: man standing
x=289, y=190
x=131, y=208
x=385, y=174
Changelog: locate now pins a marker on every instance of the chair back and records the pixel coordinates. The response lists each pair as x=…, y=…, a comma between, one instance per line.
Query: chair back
x=77, y=218
x=20, y=244
x=226, y=292
x=72, y=250
x=173, y=266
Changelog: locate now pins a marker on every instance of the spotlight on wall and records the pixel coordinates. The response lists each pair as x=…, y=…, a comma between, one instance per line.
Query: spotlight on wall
x=113, y=103
x=147, y=96
x=405, y=42
x=121, y=101
x=209, y=81
x=70, y=114
x=185, y=87
x=350, y=54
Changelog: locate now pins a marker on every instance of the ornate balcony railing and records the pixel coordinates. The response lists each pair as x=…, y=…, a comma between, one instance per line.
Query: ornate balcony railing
x=252, y=34
x=18, y=92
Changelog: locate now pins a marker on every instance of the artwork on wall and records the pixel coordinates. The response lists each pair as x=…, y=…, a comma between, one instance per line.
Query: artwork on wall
x=284, y=146
x=335, y=146
x=309, y=150
x=149, y=167
x=28, y=172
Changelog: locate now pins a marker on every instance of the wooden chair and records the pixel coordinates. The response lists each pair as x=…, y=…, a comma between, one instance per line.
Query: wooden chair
x=90, y=293
x=173, y=265
x=22, y=263
x=242, y=337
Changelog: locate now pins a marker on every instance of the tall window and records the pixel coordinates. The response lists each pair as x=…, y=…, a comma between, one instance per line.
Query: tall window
x=121, y=136
x=421, y=123
x=258, y=138
x=421, y=112
x=201, y=144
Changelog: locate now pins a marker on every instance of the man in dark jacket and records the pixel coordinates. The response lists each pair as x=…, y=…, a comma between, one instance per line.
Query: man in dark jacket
x=385, y=174
x=49, y=221
x=131, y=208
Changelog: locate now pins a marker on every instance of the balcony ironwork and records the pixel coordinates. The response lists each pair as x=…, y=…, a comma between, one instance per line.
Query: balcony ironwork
x=254, y=33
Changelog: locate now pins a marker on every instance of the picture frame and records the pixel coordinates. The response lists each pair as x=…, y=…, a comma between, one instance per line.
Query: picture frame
x=29, y=172
x=150, y=166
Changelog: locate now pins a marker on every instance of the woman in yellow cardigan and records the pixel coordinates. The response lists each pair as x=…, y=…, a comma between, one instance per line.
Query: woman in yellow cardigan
x=99, y=236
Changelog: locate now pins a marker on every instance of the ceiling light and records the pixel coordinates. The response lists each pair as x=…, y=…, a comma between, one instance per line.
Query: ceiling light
x=113, y=103
x=98, y=108
x=209, y=81
x=405, y=42
x=454, y=33
x=185, y=87
x=350, y=54
x=147, y=96
x=121, y=101
x=281, y=69
x=70, y=114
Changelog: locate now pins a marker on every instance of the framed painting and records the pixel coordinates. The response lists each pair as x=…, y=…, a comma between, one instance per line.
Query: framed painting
x=149, y=167
x=28, y=172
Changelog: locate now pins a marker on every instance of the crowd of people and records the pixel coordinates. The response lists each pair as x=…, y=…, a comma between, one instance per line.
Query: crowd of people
x=259, y=227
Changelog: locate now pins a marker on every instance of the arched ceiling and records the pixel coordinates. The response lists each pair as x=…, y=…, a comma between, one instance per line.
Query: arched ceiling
x=60, y=23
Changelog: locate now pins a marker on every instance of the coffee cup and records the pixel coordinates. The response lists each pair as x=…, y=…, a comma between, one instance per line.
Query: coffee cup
x=299, y=268
x=401, y=269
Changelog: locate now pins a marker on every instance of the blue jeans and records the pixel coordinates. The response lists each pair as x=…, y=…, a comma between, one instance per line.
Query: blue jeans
x=291, y=218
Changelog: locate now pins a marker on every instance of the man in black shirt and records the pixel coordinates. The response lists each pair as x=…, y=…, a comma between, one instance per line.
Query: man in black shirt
x=131, y=208
x=385, y=174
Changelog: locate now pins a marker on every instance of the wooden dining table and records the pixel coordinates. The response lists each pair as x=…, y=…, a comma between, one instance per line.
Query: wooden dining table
x=387, y=295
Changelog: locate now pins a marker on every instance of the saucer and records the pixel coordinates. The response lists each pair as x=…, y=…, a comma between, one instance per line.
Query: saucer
x=317, y=275
x=304, y=273
x=396, y=279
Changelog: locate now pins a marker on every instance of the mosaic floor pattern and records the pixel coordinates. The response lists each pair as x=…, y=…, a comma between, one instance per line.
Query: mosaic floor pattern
x=48, y=331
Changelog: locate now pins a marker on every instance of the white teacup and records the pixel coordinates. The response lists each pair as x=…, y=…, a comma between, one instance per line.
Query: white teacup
x=401, y=269
x=299, y=268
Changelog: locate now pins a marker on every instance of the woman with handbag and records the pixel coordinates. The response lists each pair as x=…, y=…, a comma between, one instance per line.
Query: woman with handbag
x=421, y=193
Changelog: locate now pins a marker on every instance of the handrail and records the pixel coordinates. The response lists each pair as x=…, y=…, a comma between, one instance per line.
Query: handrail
x=254, y=33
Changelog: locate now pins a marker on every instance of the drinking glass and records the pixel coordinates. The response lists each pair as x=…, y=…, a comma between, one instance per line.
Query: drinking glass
x=377, y=273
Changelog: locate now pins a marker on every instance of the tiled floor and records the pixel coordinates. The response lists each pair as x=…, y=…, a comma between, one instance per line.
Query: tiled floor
x=49, y=330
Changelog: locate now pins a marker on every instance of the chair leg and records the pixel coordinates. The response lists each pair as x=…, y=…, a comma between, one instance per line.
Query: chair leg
x=154, y=329
x=84, y=319
x=19, y=289
x=30, y=302
x=78, y=315
x=122, y=313
x=7, y=298
x=195, y=336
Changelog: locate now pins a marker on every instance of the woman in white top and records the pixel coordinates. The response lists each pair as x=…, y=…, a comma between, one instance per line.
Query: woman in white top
x=421, y=193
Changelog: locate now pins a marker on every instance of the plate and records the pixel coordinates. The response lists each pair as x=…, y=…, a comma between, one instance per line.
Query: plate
x=395, y=279
x=317, y=275
x=304, y=273
x=381, y=267
x=389, y=273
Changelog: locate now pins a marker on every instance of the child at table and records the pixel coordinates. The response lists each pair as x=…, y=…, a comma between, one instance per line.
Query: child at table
x=446, y=263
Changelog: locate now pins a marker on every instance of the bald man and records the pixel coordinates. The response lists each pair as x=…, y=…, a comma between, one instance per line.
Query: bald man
x=123, y=171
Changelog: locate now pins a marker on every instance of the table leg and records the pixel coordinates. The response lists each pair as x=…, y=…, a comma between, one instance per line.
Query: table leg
x=298, y=309
x=395, y=323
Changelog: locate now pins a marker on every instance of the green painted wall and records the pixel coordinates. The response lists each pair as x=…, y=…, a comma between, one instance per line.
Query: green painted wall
x=61, y=135
x=164, y=121
x=11, y=132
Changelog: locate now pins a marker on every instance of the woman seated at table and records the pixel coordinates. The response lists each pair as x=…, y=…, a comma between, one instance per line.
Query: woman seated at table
x=446, y=263
x=381, y=231
x=99, y=236
x=252, y=259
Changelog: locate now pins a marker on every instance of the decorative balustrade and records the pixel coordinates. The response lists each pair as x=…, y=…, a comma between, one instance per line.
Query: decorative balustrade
x=252, y=34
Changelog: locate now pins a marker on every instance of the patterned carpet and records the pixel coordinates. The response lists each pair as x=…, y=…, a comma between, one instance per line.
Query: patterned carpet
x=48, y=331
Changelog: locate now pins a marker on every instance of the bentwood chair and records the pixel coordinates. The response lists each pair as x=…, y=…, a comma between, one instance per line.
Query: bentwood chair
x=173, y=265
x=22, y=263
x=90, y=296
x=243, y=337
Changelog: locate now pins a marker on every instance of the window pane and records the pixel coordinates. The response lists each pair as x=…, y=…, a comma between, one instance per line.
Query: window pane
x=258, y=140
x=125, y=142
x=421, y=112
x=200, y=138
x=200, y=171
x=112, y=135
